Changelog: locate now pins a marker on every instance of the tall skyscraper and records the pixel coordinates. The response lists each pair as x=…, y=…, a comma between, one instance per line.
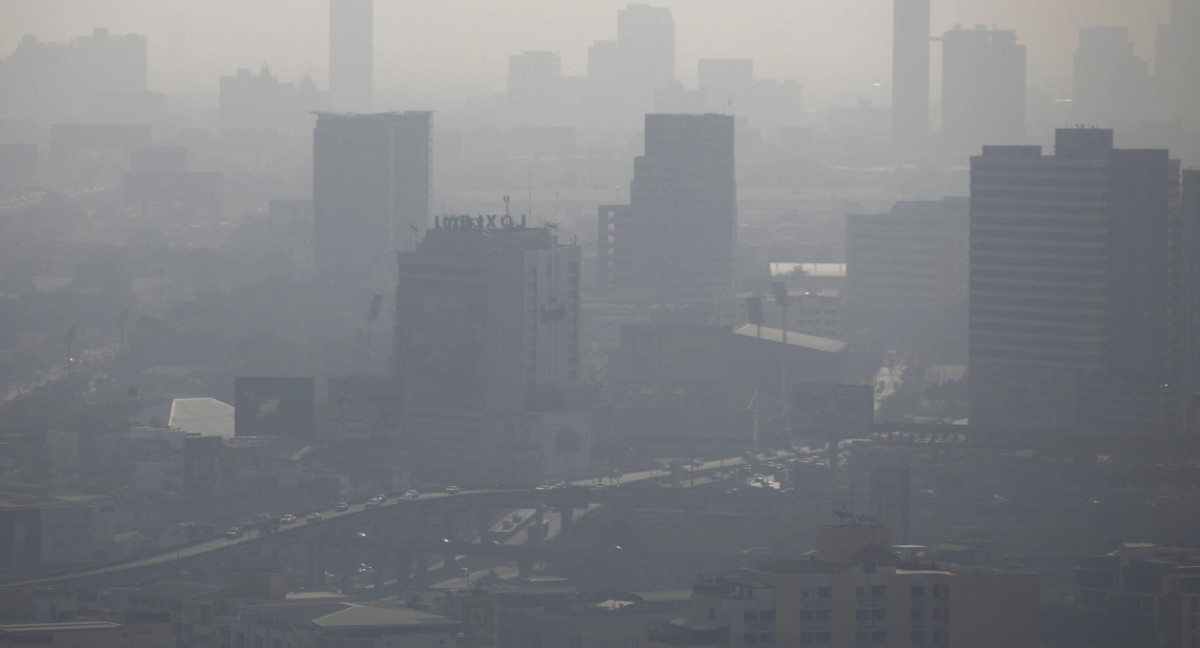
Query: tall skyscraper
x=371, y=176
x=624, y=74
x=1110, y=82
x=910, y=72
x=1176, y=74
x=983, y=88
x=675, y=239
x=486, y=343
x=352, y=54
x=1077, y=265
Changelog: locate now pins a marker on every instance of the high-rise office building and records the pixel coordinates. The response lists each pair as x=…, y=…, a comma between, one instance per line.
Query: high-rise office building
x=352, y=54
x=910, y=72
x=486, y=344
x=1110, y=82
x=983, y=88
x=1176, y=75
x=1077, y=265
x=1190, y=217
x=675, y=238
x=626, y=73
x=906, y=277
x=371, y=182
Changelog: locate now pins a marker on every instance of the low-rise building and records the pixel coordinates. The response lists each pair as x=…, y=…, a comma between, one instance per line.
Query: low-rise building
x=1143, y=594
x=855, y=592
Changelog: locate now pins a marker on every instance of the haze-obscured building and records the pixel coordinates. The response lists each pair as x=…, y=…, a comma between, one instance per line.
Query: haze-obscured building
x=906, y=277
x=675, y=238
x=1176, y=76
x=1077, y=269
x=371, y=192
x=983, y=88
x=1142, y=594
x=352, y=54
x=486, y=343
x=1111, y=83
x=856, y=591
x=910, y=73
x=261, y=102
x=624, y=74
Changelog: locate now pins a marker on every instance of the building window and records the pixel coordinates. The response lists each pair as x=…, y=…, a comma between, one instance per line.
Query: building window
x=862, y=614
x=879, y=591
x=806, y=615
x=767, y=616
x=824, y=615
x=916, y=636
x=918, y=591
x=806, y=638
x=824, y=592
x=879, y=614
x=860, y=592
x=878, y=637
x=750, y=616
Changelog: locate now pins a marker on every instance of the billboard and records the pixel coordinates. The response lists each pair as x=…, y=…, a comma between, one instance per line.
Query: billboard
x=824, y=409
x=272, y=406
x=363, y=407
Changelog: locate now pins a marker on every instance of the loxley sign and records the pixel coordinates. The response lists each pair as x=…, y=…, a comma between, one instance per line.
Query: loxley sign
x=488, y=222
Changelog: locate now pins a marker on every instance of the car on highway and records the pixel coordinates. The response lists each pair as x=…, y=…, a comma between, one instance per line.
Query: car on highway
x=233, y=533
x=410, y=494
x=452, y=490
x=287, y=518
x=314, y=517
x=341, y=507
x=375, y=501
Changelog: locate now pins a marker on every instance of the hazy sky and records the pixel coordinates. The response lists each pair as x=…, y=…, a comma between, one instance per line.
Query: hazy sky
x=827, y=44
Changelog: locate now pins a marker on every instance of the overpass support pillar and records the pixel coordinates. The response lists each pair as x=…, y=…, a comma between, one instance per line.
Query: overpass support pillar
x=535, y=532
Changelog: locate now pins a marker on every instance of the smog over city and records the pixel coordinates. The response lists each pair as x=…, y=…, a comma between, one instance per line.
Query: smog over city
x=600, y=324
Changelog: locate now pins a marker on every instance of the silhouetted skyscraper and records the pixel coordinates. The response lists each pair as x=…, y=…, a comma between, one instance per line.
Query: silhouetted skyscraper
x=983, y=88
x=1076, y=284
x=676, y=237
x=371, y=176
x=1110, y=82
x=910, y=72
x=352, y=54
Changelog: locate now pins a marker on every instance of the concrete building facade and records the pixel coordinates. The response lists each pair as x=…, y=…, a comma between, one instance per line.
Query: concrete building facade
x=675, y=239
x=1077, y=263
x=371, y=192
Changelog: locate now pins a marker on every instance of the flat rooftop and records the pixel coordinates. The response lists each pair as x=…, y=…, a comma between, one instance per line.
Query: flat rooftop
x=795, y=339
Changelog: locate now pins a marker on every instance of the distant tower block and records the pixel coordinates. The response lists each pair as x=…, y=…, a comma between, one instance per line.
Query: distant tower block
x=910, y=72
x=351, y=54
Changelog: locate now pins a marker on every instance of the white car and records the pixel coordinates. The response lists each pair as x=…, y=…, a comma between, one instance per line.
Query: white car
x=287, y=519
x=314, y=517
x=341, y=507
x=452, y=490
x=233, y=533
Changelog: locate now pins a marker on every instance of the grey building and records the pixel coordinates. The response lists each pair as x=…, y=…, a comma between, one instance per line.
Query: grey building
x=675, y=239
x=1176, y=75
x=371, y=183
x=983, y=88
x=906, y=277
x=910, y=72
x=486, y=344
x=1110, y=81
x=352, y=54
x=1076, y=290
